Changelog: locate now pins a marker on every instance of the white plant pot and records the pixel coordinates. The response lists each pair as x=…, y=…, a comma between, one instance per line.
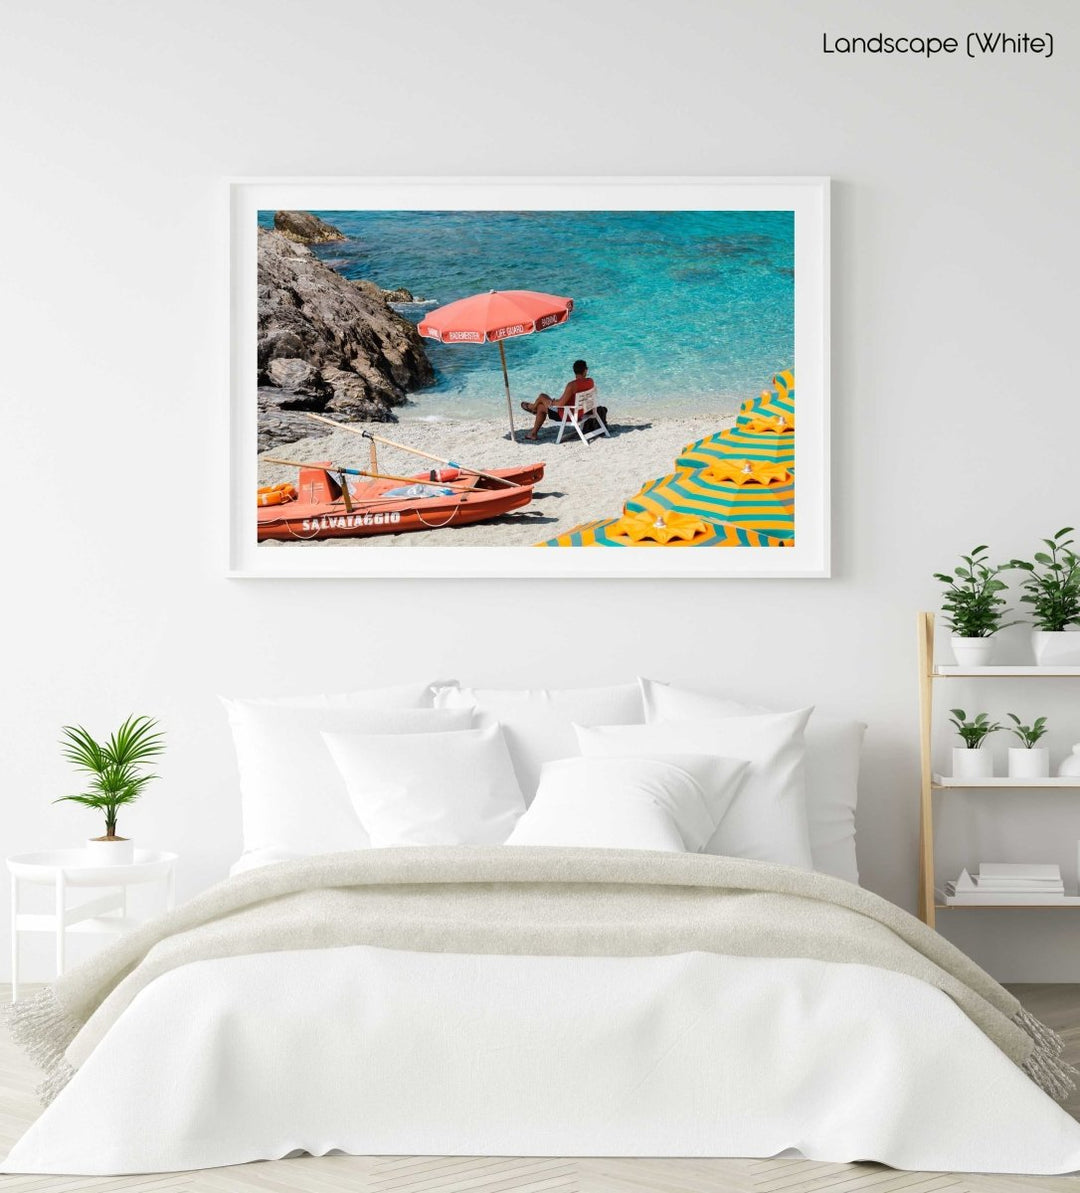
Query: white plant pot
x=972, y=764
x=1056, y=648
x=1029, y=764
x=972, y=652
x=1070, y=764
x=120, y=852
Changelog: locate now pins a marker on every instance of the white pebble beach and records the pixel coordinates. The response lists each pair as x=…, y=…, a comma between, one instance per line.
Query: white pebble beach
x=581, y=483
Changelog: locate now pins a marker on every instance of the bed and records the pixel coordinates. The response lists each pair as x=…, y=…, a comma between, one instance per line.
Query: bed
x=625, y=921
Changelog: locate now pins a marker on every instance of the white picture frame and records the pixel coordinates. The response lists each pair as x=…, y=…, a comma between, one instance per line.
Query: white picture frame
x=806, y=197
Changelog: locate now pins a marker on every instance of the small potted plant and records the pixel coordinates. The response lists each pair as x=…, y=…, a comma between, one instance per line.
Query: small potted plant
x=1029, y=760
x=970, y=761
x=1052, y=589
x=117, y=778
x=973, y=607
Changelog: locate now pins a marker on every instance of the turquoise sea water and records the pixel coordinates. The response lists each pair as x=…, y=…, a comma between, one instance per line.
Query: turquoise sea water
x=677, y=313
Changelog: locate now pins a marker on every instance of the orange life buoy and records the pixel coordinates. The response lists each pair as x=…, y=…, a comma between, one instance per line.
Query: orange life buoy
x=277, y=494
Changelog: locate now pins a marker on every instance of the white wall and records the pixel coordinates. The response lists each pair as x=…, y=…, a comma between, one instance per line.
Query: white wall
x=955, y=412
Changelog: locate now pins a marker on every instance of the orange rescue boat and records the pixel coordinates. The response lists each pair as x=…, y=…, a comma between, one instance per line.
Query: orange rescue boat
x=446, y=497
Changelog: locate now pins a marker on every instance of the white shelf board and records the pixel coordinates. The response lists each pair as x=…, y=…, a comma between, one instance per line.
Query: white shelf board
x=1003, y=781
x=943, y=901
x=1066, y=902
x=942, y=671
x=45, y=922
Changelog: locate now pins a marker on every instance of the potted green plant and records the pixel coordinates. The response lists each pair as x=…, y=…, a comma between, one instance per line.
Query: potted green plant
x=973, y=607
x=117, y=778
x=970, y=761
x=1052, y=589
x=1029, y=760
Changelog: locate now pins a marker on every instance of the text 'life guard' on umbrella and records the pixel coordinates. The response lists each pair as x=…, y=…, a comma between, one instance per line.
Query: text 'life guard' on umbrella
x=493, y=317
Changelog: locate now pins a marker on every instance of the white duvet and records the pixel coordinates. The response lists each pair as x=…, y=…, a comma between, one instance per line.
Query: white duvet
x=375, y=1051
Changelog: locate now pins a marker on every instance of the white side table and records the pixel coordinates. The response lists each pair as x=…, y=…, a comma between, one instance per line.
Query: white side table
x=64, y=869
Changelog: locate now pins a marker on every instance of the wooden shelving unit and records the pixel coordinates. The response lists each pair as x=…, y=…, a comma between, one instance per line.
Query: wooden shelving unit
x=929, y=673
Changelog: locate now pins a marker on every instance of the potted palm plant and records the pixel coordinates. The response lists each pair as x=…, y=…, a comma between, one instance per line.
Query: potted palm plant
x=1052, y=589
x=1029, y=760
x=970, y=761
x=973, y=607
x=117, y=778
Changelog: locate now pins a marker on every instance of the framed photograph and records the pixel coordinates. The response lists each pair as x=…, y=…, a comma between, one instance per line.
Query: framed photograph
x=529, y=377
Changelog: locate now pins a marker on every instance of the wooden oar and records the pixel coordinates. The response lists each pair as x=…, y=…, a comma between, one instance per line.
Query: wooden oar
x=502, y=480
x=379, y=476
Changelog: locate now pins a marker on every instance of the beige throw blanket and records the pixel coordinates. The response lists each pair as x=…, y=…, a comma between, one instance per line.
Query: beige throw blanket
x=526, y=901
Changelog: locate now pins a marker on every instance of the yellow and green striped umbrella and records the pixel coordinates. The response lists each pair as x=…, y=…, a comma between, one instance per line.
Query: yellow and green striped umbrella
x=765, y=509
x=747, y=472
x=771, y=403
x=626, y=531
x=768, y=424
x=738, y=444
x=784, y=384
x=732, y=489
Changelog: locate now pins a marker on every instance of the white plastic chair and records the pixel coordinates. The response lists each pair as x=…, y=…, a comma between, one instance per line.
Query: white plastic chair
x=583, y=407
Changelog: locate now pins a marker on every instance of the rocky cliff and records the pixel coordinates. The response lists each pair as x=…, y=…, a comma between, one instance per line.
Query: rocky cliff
x=327, y=344
x=305, y=228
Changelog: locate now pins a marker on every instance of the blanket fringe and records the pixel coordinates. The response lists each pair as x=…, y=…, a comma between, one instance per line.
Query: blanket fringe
x=43, y=1030
x=48, y=1089
x=1046, y=1065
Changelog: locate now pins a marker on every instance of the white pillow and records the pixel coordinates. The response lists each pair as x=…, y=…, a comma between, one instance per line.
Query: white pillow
x=430, y=788
x=255, y=859
x=833, y=750
x=292, y=796
x=403, y=695
x=767, y=818
x=539, y=722
x=672, y=803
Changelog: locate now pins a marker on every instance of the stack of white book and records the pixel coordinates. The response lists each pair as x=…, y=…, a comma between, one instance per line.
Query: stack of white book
x=1007, y=882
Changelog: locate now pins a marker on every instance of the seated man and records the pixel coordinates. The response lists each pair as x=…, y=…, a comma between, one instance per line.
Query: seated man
x=544, y=402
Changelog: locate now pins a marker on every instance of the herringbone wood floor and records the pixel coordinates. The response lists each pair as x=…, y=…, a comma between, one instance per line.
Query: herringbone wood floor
x=1057, y=1005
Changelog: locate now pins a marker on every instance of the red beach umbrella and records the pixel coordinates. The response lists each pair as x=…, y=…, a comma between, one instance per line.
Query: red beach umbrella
x=493, y=317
